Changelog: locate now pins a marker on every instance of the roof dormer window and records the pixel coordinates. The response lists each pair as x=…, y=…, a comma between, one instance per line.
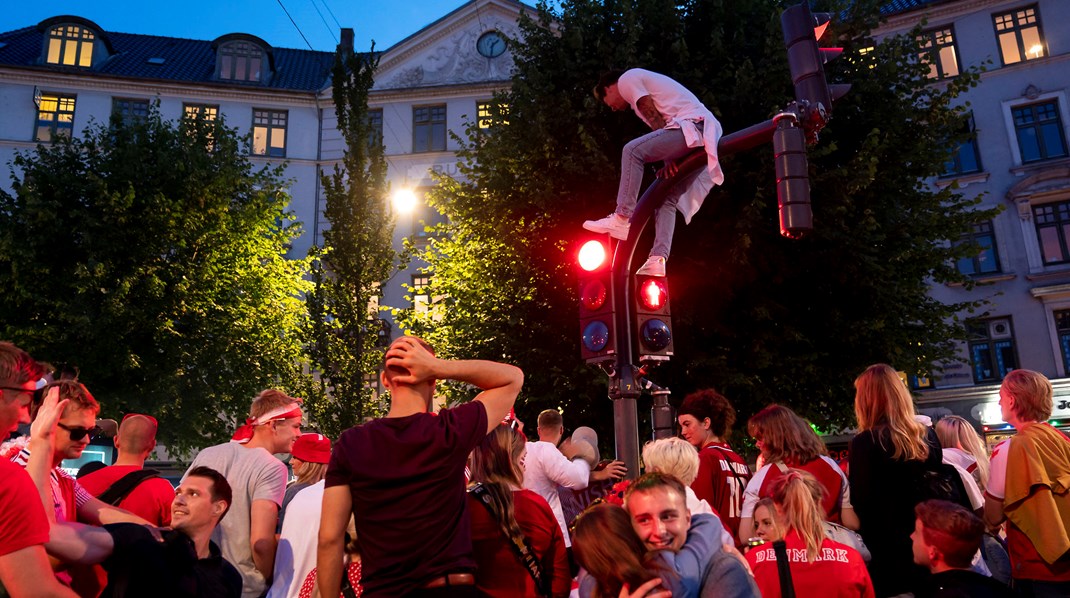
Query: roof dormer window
x=70, y=45
x=240, y=61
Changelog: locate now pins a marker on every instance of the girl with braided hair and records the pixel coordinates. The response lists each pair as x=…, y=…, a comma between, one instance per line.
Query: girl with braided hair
x=516, y=541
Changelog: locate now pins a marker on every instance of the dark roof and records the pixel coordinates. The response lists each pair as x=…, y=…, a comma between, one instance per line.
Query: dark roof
x=184, y=60
x=894, y=7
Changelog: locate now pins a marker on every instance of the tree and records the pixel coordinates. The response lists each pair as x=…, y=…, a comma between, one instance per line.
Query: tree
x=151, y=255
x=758, y=316
x=344, y=333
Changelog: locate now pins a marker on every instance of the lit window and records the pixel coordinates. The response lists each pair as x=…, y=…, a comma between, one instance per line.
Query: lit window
x=965, y=158
x=375, y=127
x=70, y=45
x=55, y=117
x=992, y=351
x=130, y=111
x=1040, y=131
x=1019, y=35
x=205, y=112
x=419, y=293
x=269, y=133
x=940, y=53
x=1053, y=231
x=429, y=129
x=240, y=61
x=986, y=261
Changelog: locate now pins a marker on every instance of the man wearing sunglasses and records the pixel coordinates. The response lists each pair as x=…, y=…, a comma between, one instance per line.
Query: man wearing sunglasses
x=24, y=567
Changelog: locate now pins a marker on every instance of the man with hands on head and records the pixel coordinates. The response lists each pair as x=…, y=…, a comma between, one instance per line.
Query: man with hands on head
x=402, y=478
x=24, y=566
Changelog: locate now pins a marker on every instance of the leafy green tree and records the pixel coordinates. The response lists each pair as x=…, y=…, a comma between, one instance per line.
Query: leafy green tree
x=344, y=333
x=758, y=316
x=151, y=255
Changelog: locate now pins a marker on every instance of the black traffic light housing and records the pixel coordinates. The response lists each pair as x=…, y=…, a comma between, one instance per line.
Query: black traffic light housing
x=653, y=321
x=597, y=303
x=802, y=30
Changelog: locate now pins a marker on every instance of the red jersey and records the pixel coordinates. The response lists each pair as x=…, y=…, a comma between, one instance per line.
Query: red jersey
x=22, y=517
x=722, y=478
x=837, y=572
x=150, y=500
x=828, y=474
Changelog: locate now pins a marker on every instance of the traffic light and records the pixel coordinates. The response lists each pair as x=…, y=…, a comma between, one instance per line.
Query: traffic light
x=598, y=327
x=802, y=29
x=792, y=177
x=653, y=323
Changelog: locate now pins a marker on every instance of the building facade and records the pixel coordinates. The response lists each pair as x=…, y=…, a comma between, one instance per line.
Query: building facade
x=1018, y=159
x=60, y=75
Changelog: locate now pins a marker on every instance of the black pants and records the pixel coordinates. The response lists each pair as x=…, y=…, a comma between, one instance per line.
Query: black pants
x=445, y=592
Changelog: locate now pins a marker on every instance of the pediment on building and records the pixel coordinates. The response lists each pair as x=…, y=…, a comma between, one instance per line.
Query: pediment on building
x=445, y=52
x=1048, y=185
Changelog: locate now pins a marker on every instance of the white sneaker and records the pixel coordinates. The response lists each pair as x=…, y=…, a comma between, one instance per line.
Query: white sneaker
x=616, y=225
x=654, y=266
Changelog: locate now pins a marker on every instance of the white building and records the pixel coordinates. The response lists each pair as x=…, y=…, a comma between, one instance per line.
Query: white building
x=1019, y=160
x=59, y=75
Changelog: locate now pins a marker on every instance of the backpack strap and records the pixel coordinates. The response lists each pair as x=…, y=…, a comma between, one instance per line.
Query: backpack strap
x=125, y=485
x=522, y=550
x=787, y=588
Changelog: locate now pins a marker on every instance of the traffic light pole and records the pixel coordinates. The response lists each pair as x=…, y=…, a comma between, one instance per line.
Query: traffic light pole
x=624, y=387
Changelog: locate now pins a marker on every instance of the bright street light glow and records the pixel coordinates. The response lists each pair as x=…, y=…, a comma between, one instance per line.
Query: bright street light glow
x=404, y=201
x=592, y=255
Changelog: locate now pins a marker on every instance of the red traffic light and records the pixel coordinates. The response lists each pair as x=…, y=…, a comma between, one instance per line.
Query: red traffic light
x=592, y=255
x=653, y=293
x=593, y=295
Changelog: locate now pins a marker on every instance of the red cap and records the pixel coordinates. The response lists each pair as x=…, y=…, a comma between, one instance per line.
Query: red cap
x=312, y=448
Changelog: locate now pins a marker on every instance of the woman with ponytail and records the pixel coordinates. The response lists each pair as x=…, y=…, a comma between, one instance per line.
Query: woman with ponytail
x=509, y=522
x=818, y=565
x=889, y=459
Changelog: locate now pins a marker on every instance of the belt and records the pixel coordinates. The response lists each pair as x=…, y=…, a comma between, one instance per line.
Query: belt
x=451, y=579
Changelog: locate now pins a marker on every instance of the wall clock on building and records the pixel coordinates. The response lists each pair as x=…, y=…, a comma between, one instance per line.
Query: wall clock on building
x=491, y=44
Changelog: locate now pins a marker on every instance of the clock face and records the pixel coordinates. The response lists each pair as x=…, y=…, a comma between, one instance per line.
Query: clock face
x=491, y=44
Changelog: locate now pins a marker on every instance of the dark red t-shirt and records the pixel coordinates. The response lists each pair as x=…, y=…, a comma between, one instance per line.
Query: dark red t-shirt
x=406, y=477
x=22, y=517
x=501, y=574
x=151, y=499
x=722, y=478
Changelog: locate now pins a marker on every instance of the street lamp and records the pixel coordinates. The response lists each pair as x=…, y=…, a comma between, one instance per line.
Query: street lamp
x=404, y=201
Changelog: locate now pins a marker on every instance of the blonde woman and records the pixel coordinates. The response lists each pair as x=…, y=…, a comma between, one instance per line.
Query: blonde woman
x=963, y=447
x=819, y=566
x=787, y=440
x=308, y=458
x=888, y=458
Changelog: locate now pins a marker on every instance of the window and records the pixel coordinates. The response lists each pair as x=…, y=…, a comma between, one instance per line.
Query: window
x=487, y=112
x=429, y=129
x=1062, y=328
x=1039, y=130
x=940, y=53
x=70, y=45
x=419, y=293
x=240, y=61
x=992, y=352
x=1053, y=230
x=1018, y=32
x=269, y=133
x=55, y=117
x=130, y=111
x=965, y=158
x=205, y=112
x=987, y=261
x=375, y=127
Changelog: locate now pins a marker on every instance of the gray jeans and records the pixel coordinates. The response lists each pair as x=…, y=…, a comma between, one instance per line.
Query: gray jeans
x=663, y=144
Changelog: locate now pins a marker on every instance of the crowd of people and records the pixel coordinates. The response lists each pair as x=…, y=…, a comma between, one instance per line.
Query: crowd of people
x=459, y=502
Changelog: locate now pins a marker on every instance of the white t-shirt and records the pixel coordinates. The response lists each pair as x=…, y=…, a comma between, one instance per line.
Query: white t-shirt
x=672, y=100
x=296, y=553
x=997, y=470
x=545, y=469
